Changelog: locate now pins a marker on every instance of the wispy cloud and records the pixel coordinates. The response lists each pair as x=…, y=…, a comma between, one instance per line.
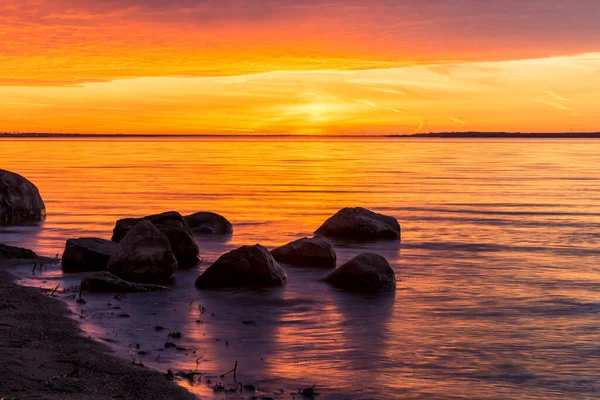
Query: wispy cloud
x=554, y=104
x=421, y=125
x=458, y=121
x=556, y=96
x=367, y=102
x=391, y=91
x=396, y=110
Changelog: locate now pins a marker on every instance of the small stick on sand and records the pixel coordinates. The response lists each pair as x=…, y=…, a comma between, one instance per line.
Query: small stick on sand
x=234, y=370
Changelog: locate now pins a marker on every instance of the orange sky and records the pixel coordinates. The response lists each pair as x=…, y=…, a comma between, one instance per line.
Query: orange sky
x=298, y=66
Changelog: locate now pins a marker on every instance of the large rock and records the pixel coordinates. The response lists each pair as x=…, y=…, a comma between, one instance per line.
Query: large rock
x=20, y=200
x=105, y=282
x=248, y=266
x=366, y=272
x=143, y=255
x=174, y=226
x=309, y=252
x=10, y=252
x=205, y=222
x=360, y=224
x=87, y=254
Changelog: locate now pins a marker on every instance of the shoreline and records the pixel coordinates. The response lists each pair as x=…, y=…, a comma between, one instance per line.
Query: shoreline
x=58, y=361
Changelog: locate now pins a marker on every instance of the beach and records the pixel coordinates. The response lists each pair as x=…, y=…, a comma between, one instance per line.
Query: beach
x=44, y=354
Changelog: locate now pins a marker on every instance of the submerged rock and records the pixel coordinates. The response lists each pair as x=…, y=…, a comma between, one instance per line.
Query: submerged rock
x=87, y=254
x=11, y=252
x=143, y=255
x=205, y=222
x=309, y=252
x=247, y=266
x=360, y=224
x=20, y=200
x=174, y=226
x=366, y=272
x=105, y=282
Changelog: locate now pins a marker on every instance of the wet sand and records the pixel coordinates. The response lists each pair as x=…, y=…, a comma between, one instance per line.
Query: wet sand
x=44, y=354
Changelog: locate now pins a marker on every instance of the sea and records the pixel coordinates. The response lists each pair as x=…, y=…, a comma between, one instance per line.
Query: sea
x=498, y=269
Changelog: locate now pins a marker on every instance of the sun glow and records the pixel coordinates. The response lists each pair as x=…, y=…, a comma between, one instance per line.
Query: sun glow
x=528, y=95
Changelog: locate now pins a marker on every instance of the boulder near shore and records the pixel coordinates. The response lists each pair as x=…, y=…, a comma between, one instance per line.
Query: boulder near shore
x=360, y=224
x=105, y=282
x=247, y=266
x=143, y=255
x=206, y=222
x=365, y=272
x=306, y=252
x=174, y=226
x=20, y=200
x=87, y=254
x=11, y=252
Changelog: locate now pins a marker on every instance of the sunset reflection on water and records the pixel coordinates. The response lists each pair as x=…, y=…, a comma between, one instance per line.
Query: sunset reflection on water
x=498, y=293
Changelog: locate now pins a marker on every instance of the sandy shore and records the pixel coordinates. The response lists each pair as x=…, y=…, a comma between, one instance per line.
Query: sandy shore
x=44, y=354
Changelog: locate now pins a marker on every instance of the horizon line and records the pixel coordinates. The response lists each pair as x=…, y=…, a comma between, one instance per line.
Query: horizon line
x=447, y=134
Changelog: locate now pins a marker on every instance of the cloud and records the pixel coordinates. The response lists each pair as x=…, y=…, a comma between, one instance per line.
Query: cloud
x=66, y=40
x=554, y=104
x=421, y=125
x=369, y=103
x=555, y=96
x=458, y=121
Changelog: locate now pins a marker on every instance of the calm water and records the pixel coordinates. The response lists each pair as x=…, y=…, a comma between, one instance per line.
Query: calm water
x=499, y=267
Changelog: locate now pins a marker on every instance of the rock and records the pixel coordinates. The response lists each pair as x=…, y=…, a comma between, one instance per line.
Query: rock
x=10, y=252
x=87, y=254
x=105, y=282
x=360, y=224
x=248, y=266
x=366, y=272
x=175, y=227
x=20, y=200
x=309, y=252
x=205, y=222
x=143, y=255
x=182, y=241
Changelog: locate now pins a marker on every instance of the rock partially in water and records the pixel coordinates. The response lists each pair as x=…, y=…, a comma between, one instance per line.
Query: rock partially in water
x=20, y=200
x=247, y=266
x=105, y=282
x=360, y=224
x=182, y=241
x=206, y=222
x=365, y=272
x=143, y=255
x=11, y=252
x=308, y=252
x=87, y=254
x=175, y=227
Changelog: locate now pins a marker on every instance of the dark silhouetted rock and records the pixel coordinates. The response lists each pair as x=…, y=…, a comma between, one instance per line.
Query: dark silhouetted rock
x=10, y=252
x=205, y=222
x=248, y=266
x=105, y=282
x=309, y=252
x=87, y=254
x=20, y=200
x=175, y=227
x=360, y=224
x=366, y=272
x=143, y=255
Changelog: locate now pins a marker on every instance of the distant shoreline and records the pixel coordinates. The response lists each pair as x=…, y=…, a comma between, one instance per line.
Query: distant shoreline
x=438, y=135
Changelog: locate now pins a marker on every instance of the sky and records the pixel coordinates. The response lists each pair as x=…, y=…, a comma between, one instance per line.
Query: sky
x=299, y=66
